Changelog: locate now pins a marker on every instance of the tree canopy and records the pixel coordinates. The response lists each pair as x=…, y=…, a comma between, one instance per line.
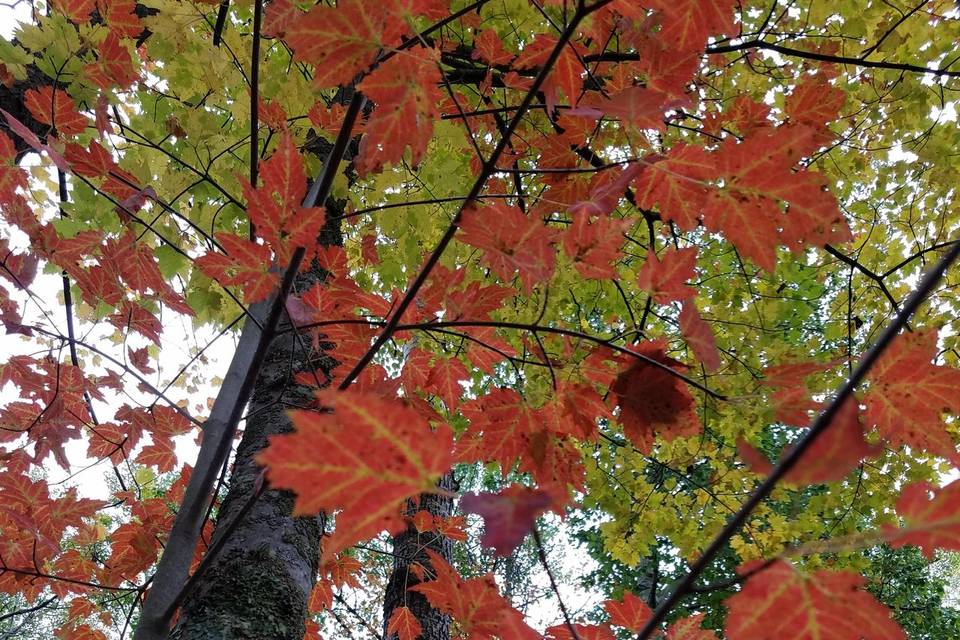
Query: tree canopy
x=677, y=272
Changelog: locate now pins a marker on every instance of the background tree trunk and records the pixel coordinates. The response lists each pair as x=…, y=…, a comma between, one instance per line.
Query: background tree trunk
x=409, y=547
x=258, y=585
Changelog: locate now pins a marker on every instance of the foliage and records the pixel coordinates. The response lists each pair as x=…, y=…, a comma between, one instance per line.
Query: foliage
x=621, y=252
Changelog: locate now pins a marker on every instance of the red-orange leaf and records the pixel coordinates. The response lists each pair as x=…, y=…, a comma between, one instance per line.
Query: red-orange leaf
x=631, y=612
x=377, y=452
x=406, y=94
x=699, y=336
x=340, y=41
x=653, y=402
x=247, y=266
x=77, y=10
x=635, y=106
x=690, y=629
x=566, y=74
x=836, y=452
x=508, y=516
x=55, y=108
x=931, y=517
x=908, y=395
x=779, y=603
x=594, y=244
x=476, y=604
x=404, y=624
x=666, y=277
x=511, y=242
x=11, y=175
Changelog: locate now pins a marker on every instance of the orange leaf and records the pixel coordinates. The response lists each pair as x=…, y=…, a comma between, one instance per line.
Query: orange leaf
x=699, y=336
x=406, y=94
x=666, y=277
x=594, y=244
x=931, y=517
x=377, y=452
x=908, y=395
x=653, y=402
x=404, y=624
x=631, y=612
x=55, y=108
x=340, y=41
x=512, y=242
x=246, y=266
x=475, y=604
x=781, y=603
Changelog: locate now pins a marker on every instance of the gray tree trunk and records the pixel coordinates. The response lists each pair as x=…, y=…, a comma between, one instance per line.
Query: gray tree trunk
x=408, y=547
x=258, y=586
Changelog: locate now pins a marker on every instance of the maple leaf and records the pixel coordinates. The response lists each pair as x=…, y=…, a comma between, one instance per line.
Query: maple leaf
x=404, y=624
x=687, y=23
x=780, y=603
x=508, y=515
x=246, y=266
x=676, y=183
x=690, y=629
x=631, y=612
x=444, y=380
x=566, y=74
x=55, y=108
x=666, y=277
x=278, y=16
x=12, y=176
x=931, y=517
x=512, y=242
x=78, y=11
x=653, y=402
x=339, y=41
x=378, y=452
x=488, y=47
x=475, y=604
x=699, y=336
x=908, y=395
x=594, y=244
x=275, y=207
x=835, y=452
x=405, y=91
x=583, y=632
x=114, y=66
x=635, y=106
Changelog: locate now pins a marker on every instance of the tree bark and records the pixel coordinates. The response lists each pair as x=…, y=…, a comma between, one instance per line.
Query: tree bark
x=409, y=547
x=258, y=585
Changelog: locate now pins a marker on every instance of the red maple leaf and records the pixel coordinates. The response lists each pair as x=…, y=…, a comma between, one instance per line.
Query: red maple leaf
x=247, y=266
x=594, y=244
x=835, y=452
x=653, y=402
x=666, y=277
x=404, y=624
x=512, y=242
x=377, y=453
x=12, y=176
x=780, y=603
x=55, y=108
x=634, y=106
x=676, y=183
x=699, y=336
x=631, y=612
x=908, y=395
x=405, y=91
x=77, y=10
x=488, y=47
x=931, y=517
x=508, y=515
x=275, y=207
x=476, y=604
x=566, y=75
x=340, y=41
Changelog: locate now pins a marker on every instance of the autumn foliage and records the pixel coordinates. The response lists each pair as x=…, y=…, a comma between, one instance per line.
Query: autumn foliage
x=613, y=257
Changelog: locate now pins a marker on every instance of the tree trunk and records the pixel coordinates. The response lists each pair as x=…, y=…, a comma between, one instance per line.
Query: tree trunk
x=410, y=547
x=258, y=585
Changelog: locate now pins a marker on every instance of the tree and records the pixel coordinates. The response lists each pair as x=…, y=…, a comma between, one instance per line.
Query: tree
x=678, y=268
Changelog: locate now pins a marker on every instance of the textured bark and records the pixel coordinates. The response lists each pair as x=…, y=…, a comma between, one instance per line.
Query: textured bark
x=410, y=547
x=258, y=586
